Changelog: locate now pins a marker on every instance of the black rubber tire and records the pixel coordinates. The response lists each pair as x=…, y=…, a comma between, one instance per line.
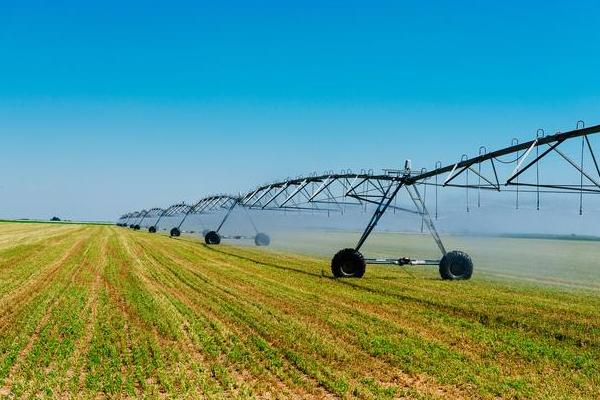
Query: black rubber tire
x=456, y=265
x=204, y=232
x=136, y=227
x=175, y=232
x=262, y=239
x=152, y=229
x=212, y=237
x=131, y=226
x=348, y=263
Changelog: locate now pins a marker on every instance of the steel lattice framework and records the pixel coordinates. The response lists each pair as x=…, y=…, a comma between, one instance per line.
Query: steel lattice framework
x=333, y=192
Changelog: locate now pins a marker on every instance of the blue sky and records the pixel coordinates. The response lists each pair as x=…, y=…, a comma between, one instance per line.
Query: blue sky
x=112, y=107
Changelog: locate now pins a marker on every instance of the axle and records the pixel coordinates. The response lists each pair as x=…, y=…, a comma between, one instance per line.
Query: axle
x=400, y=261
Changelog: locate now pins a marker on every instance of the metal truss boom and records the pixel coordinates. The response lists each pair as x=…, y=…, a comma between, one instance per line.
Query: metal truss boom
x=336, y=192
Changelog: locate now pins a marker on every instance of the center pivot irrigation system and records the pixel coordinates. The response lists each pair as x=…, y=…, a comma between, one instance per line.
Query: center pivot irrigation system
x=332, y=192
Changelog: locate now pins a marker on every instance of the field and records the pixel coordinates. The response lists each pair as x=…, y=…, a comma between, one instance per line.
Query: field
x=562, y=263
x=100, y=311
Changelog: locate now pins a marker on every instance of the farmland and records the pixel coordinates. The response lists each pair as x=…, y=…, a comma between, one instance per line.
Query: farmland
x=101, y=311
x=562, y=263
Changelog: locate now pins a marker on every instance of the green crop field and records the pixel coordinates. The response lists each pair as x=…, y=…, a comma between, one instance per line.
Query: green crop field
x=101, y=311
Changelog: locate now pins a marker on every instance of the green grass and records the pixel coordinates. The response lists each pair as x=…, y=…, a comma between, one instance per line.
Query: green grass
x=101, y=311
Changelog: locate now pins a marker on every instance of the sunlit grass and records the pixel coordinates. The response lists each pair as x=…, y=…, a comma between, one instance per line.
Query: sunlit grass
x=103, y=311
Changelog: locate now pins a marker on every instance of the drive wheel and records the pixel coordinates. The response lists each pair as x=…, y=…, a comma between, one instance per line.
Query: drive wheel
x=136, y=227
x=456, y=265
x=262, y=239
x=152, y=229
x=348, y=263
x=175, y=232
x=212, y=237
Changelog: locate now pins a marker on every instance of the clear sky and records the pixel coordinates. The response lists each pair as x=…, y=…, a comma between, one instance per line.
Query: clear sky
x=115, y=106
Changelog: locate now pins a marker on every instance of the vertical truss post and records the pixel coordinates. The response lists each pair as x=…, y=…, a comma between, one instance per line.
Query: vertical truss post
x=581, y=174
x=251, y=220
x=482, y=151
x=184, y=217
x=385, y=202
x=437, y=165
x=423, y=170
x=233, y=204
x=424, y=199
x=422, y=209
x=162, y=214
x=143, y=217
x=581, y=178
x=515, y=142
x=465, y=158
x=540, y=133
